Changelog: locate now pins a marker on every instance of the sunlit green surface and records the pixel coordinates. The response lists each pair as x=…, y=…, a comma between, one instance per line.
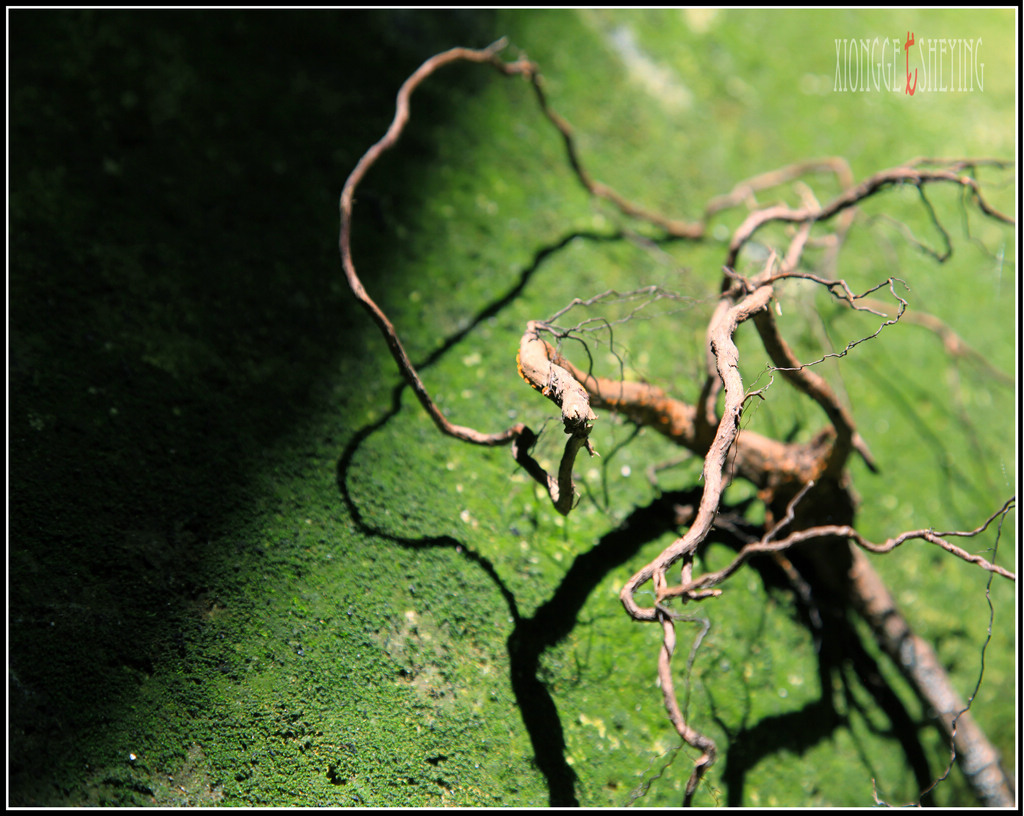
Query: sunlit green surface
x=279, y=591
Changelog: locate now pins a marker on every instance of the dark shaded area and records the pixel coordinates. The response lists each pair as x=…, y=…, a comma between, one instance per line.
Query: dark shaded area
x=176, y=301
x=176, y=305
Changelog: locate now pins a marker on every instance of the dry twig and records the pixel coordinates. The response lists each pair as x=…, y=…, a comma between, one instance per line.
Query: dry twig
x=800, y=483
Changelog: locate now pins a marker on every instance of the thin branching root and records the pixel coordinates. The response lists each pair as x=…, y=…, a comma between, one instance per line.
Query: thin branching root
x=804, y=486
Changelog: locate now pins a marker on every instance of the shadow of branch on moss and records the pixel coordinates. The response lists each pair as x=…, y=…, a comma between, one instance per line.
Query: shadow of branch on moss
x=805, y=488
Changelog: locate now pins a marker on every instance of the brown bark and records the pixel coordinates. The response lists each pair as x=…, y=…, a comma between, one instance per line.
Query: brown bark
x=805, y=487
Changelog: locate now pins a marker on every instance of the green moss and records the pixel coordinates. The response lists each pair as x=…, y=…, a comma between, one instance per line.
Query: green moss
x=237, y=558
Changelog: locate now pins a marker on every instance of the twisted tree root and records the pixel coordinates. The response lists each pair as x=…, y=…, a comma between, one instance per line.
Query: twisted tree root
x=795, y=481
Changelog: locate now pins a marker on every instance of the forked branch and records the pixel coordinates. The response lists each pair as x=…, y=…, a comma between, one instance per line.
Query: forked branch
x=788, y=475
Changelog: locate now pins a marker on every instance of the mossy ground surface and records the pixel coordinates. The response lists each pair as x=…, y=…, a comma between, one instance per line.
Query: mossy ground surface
x=244, y=568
